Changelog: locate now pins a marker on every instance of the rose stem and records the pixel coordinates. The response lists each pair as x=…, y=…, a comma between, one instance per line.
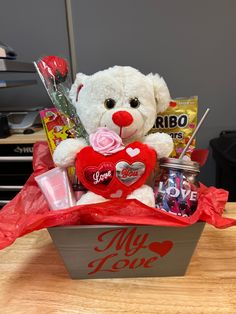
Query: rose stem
x=194, y=133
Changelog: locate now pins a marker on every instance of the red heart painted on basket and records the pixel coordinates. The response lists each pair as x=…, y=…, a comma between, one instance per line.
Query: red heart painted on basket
x=161, y=248
x=117, y=175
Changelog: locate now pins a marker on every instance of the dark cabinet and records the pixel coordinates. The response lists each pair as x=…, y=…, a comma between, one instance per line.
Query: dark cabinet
x=15, y=169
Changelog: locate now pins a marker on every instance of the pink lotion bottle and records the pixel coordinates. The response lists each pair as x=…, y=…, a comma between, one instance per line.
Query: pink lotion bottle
x=56, y=188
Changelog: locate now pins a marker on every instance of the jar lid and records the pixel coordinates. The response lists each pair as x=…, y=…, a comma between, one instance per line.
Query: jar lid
x=180, y=164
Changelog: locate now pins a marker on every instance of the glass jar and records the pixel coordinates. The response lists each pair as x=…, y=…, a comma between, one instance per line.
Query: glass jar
x=176, y=187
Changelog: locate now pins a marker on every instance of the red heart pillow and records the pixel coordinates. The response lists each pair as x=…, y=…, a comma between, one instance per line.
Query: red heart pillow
x=117, y=175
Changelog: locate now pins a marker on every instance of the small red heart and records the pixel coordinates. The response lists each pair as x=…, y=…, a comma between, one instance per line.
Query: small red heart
x=161, y=248
x=116, y=175
x=200, y=156
x=172, y=104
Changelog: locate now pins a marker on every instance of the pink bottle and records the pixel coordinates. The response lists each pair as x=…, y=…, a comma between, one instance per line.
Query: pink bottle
x=56, y=188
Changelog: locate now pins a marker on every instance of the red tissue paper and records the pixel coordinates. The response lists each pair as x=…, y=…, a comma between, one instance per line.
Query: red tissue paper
x=29, y=211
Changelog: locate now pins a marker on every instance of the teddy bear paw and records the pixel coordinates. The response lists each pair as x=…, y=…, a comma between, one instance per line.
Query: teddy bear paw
x=144, y=194
x=65, y=153
x=162, y=143
x=91, y=198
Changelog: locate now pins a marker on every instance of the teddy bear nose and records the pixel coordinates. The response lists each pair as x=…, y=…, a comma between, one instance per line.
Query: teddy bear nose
x=122, y=118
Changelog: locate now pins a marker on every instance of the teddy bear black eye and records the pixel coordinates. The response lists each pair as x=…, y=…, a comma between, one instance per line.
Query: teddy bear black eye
x=134, y=102
x=109, y=103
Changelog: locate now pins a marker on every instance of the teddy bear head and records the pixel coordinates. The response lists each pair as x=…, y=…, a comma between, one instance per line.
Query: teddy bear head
x=121, y=99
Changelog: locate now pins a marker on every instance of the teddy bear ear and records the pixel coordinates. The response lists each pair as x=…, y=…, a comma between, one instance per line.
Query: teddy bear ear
x=161, y=92
x=76, y=87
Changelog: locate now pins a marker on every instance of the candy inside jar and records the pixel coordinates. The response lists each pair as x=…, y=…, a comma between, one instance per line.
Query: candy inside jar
x=176, y=187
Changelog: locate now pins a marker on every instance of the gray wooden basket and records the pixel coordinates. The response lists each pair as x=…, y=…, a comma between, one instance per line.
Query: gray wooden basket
x=116, y=251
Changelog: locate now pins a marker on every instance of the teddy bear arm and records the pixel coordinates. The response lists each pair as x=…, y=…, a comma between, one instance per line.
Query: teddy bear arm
x=65, y=153
x=162, y=143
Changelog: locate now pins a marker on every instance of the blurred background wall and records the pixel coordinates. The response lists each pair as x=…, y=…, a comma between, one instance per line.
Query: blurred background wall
x=190, y=43
x=33, y=29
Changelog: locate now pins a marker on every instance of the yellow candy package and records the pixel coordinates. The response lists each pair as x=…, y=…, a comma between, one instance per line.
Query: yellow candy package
x=179, y=121
x=56, y=129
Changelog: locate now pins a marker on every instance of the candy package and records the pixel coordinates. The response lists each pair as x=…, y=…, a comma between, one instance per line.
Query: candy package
x=55, y=127
x=179, y=121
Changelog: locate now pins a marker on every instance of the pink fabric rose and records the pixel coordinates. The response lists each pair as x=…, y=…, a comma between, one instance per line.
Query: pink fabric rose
x=105, y=141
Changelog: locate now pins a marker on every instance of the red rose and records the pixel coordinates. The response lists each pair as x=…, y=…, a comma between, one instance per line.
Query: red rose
x=53, y=67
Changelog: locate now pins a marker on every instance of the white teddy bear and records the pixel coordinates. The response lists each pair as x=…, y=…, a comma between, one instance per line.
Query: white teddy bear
x=125, y=101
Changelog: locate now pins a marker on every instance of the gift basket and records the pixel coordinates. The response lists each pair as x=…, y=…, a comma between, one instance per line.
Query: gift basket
x=116, y=182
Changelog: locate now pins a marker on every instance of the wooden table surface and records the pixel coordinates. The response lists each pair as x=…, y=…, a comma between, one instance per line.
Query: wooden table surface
x=34, y=280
